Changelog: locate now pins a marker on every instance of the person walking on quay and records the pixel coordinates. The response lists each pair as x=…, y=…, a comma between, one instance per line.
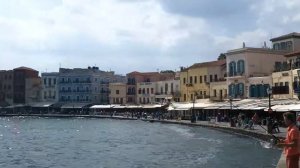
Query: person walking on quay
x=292, y=142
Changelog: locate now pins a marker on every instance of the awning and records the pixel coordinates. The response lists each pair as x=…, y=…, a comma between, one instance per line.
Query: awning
x=74, y=105
x=294, y=107
x=101, y=106
x=16, y=106
x=41, y=104
x=119, y=107
x=152, y=106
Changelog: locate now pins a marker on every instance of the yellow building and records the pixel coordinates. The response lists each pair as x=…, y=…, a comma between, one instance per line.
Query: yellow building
x=285, y=78
x=117, y=93
x=196, y=79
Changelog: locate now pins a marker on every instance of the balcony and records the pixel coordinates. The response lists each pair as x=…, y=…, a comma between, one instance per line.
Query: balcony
x=130, y=93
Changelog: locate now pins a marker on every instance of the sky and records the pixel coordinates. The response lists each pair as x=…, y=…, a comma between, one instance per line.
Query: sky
x=135, y=35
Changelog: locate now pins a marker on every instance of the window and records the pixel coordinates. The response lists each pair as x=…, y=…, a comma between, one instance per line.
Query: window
x=192, y=97
x=117, y=91
x=148, y=91
x=143, y=90
x=45, y=81
x=205, y=80
x=232, y=68
x=184, y=97
x=216, y=77
x=276, y=84
x=240, y=67
x=286, y=84
x=54, y=81
x=195, y=79
x=45, y=95
x=210, y=78
x=281, y=84
x=200, y=79
x=166, y=88
x=152, y=90
x=204, y=93
x=200, y=92
x=140, y=100
x=191, y=79
x=289, y=45
x=140, y=91
x=49, y=81
x=184, y=81
x=87, y=98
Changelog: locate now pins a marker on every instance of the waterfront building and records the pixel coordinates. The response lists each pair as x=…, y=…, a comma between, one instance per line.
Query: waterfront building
x=145, y=92
x=248, y=71
x=287, y=43
x=218, y=90
x=6, y=87
x=50, y=87
x=286, y=77
x=26, y=85
x=196, y=79
x=89, y=85
x=117, y=93
x=135, y=77
x=166, y=91
x=33, y=87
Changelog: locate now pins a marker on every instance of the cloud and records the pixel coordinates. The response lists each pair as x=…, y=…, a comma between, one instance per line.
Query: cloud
x=128, y=35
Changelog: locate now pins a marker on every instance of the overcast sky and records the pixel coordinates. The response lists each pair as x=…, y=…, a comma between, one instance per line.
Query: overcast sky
x=129, y=35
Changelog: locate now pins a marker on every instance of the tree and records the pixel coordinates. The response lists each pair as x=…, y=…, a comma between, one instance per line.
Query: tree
x=222, y=56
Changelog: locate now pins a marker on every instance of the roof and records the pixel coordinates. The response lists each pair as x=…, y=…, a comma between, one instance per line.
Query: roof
x=283, y=37
x=74, y=105
x=254, y=50
x=207, y=64
x=25, y=68
x=291, y=54
x=142, y=73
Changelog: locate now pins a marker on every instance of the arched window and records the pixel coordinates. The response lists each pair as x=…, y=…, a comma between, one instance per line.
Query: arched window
x=241, y=66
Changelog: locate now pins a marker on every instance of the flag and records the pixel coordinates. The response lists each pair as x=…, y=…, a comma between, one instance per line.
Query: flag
x=255, y=118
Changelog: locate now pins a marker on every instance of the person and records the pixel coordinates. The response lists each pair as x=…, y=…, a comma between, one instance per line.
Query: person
x=291, y=143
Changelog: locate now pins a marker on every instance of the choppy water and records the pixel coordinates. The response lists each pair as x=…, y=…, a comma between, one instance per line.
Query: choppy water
x=96, y=143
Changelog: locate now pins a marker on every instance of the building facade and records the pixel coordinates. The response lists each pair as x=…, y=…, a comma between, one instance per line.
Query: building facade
x=166, y=91
x=145, y=93
x=287, y=43
x=6, y=87
x=117, y=93
x=20, y=76
x=89, y=85
x=33, y=88
x=50, y=87
x=246, y=63
x=286, y=78
x=195, y=80
x=134, y=78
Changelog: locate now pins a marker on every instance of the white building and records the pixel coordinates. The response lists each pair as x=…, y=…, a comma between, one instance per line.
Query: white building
x=50, y=87
x=167, y=91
